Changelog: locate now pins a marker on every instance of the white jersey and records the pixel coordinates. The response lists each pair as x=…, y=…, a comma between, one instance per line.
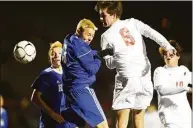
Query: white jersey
x=125, y=37
x=151, y=120
x=171, y=84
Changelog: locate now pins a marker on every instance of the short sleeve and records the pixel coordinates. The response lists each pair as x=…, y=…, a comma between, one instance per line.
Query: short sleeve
x=188, y=74
x=40, y=83
x=157, y=78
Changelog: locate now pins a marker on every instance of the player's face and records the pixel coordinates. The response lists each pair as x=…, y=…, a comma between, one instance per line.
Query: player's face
x=1, y=101
x=171, y=60
x=55, y=57
x=106, y=18
x=88, y=35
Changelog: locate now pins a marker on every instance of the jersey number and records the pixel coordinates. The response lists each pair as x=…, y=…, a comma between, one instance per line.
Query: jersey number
x=128, y=39
x=179, y=83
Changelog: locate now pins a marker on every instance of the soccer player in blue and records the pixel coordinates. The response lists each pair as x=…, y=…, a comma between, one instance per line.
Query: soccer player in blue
x=81, y=65
x=48, y=93
x=3, y=114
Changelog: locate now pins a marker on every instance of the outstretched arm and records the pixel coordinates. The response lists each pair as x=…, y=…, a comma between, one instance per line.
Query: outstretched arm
x=148, y=32
x=37, y=100
x=172, y=90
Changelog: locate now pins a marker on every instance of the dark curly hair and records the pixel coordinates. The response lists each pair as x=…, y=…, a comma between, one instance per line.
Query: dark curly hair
x=113, y=7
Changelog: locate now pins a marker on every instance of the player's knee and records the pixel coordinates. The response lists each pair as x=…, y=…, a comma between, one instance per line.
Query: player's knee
x=121, y=125
x=103, y=124
x=139, y=113
x=122, y=117
x=122, y=122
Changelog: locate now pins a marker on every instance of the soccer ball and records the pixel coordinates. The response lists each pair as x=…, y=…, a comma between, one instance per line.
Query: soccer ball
x=24, y=52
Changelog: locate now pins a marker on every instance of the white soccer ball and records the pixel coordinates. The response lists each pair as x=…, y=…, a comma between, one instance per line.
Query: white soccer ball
x=24, y=52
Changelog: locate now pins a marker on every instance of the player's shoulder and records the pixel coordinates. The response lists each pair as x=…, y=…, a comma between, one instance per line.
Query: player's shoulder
x=73, y=40
x=110, y=31
x=77, y=42
x=106, y=33
x=183, y=67
x=159, y=69
x=46, y=71
x=130, y=20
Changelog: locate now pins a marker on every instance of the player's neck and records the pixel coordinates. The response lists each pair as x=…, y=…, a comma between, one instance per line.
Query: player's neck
x=117, y=19
x=172, y=64
x=57, y=68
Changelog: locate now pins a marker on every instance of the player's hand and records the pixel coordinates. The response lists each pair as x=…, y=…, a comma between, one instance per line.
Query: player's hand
x=171, y=52
x=57, y=117
x=105, y=52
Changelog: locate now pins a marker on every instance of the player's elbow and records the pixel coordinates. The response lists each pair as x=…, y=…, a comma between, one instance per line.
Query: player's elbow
x=93, y=71
x=94, y=68
x=35, y=97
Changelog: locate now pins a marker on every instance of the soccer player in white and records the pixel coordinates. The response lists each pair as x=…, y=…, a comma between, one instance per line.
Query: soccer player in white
x=171, y=82
x=133, y=85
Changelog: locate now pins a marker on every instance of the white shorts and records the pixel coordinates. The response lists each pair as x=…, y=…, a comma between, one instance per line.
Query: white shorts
x=133, y=92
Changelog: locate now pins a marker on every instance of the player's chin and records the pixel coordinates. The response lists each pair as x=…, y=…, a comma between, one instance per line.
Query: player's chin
x=57, y=65
x=88, y=42
x=105, y=25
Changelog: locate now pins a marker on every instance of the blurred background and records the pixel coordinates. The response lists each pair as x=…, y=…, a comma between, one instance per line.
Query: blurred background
x=44, y=22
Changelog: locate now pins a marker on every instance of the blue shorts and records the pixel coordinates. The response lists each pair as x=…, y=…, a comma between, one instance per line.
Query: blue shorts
x=72, y=120
x=85, y=103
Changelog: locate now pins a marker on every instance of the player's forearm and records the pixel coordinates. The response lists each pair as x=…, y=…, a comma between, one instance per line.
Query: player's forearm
x=171, y=91
x=42, y=105
x=158, y=38
x=148, y=32
x=37, y=100
x=90, y=64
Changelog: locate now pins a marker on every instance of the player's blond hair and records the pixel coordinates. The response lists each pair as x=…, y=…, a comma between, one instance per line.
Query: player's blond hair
x=85, y=23
x=56, y=44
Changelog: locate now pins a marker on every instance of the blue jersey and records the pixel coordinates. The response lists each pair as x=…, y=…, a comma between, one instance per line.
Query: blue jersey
x=49, y=83
x=80, y=65
x=4, y=118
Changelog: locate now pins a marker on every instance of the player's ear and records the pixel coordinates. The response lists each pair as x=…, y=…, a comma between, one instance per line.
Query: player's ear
x=79, y=32
x=49, y=60
x=178, y=57
x=115, y=16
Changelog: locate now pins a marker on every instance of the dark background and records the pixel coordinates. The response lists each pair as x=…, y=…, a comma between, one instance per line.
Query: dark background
x=48, y=21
